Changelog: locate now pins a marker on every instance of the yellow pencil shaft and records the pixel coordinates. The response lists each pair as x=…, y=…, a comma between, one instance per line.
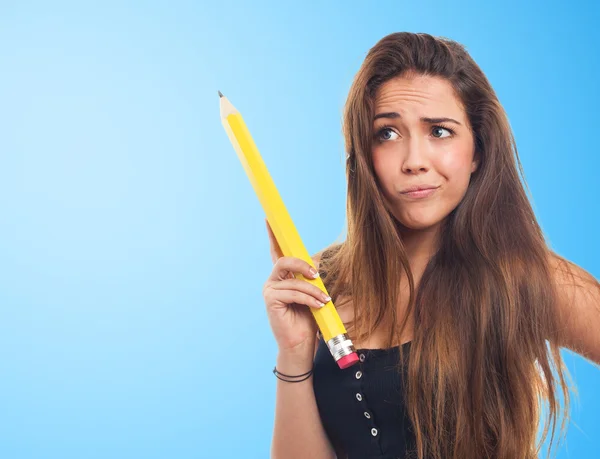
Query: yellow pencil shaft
x=281, y=223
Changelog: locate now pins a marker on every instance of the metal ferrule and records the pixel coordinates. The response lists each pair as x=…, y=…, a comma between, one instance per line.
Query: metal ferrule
x=340, y=346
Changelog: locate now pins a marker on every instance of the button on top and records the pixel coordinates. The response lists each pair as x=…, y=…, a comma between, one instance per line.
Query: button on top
x=358, y=374
x=374, y=431
x=359, y=397
x=362, y=357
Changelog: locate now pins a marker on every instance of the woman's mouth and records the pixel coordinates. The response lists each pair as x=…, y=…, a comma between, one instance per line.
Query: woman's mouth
x=420, y=194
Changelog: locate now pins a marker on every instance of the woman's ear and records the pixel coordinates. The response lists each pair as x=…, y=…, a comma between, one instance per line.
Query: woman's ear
x=475, y=163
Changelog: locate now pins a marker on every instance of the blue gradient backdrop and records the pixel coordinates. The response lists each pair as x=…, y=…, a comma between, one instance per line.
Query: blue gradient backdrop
x=132, y=246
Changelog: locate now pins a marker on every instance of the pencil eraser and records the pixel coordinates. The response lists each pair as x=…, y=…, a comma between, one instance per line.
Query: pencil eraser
x=348, y=360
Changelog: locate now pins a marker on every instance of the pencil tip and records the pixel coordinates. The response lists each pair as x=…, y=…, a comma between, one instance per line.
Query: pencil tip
x=220, y=95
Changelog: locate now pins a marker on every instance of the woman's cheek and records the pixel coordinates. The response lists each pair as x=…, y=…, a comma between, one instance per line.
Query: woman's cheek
x=455, y=165
x=452, y=160
x=457, y=160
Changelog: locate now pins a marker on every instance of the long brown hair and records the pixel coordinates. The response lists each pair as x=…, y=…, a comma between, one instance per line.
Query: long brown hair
x=482, y=362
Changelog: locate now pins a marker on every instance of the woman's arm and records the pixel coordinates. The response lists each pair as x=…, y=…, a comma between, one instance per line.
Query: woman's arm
x=578, y=308
x=298, y=431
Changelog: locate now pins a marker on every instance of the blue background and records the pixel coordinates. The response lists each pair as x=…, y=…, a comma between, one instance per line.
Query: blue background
x=133, y=249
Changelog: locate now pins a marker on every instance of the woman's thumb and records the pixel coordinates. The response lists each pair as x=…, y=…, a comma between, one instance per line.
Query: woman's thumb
x=273, y=245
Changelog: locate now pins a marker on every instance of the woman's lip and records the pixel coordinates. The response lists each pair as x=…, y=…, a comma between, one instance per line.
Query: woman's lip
x=420, y=193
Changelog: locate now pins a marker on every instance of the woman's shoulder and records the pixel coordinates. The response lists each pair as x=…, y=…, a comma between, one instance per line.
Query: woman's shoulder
x=327, y=251
x=578, y=303
x=324, y=254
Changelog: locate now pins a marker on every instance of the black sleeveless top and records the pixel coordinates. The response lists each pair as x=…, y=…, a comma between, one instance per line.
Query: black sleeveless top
x=362, y=407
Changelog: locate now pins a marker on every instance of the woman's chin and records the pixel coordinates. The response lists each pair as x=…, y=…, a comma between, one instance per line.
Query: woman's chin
x=418, y=224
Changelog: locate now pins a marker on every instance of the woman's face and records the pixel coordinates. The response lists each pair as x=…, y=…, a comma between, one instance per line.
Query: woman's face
x=422, y=137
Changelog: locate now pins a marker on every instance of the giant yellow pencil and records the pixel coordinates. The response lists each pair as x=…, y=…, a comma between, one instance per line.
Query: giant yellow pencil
x=327, y=318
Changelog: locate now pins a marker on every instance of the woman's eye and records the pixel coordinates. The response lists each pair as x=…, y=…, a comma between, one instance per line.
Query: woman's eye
x=380, y=134
x=386, y=133
x=440, y=129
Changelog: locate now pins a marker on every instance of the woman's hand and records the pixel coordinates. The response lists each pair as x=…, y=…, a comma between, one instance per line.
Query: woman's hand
x=288, y=301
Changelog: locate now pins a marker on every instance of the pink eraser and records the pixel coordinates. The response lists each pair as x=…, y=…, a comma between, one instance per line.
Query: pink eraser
x=348, y=360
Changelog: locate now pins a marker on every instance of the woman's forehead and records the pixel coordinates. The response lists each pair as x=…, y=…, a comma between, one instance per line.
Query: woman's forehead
x=418, y=94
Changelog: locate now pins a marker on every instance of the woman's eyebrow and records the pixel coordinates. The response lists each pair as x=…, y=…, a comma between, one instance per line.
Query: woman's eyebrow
x=423, y=119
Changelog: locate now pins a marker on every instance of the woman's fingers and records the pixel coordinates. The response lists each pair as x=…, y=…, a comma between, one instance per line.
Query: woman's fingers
x=293, y=291
x=303, y=288
x=284, y=266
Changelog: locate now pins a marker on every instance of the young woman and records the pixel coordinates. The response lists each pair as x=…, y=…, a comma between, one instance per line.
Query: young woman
x=454, y=301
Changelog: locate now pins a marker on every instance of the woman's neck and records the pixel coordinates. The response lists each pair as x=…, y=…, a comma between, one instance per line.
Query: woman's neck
x=420, y=246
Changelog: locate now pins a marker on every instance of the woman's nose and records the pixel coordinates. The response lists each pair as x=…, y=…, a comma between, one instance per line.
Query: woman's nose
x=416, y=156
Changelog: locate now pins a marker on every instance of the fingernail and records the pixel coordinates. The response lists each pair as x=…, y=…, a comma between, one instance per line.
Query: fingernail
x=314, y=273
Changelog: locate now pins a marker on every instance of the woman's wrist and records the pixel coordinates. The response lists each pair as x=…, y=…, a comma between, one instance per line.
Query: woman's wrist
x=295, y=361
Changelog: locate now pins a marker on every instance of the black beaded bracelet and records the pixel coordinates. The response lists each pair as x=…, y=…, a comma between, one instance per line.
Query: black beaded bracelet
x=304, y=376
